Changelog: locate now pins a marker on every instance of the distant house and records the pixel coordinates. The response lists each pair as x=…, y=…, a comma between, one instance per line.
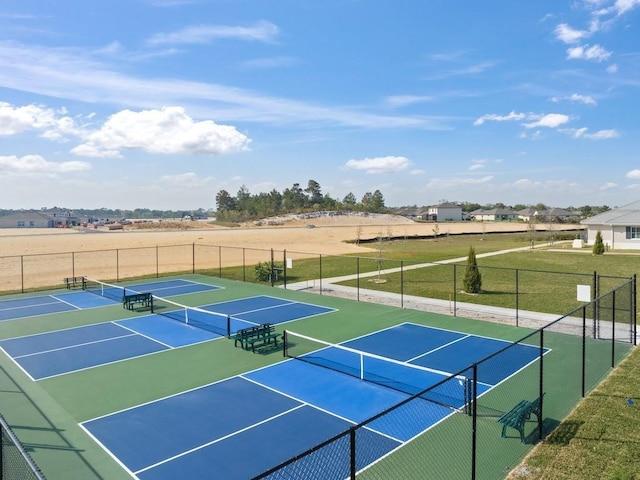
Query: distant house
x=494, y=215
x=26, y=220
x=620, y=227
x=556, y=215
x=45, y=218
x=445, y=212
x=62, y=217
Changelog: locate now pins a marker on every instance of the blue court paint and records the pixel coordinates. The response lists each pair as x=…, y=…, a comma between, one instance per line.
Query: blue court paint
x=29, y=307
x=472, y=349
x=167, y=331
x=284, y=313
x=336, y=392
x=405, y=341
x=246, y=305
x=151, y=433
x=266, y=445
x=171, y=288
x=61, y=339
x=56, y=362
x=86, y=300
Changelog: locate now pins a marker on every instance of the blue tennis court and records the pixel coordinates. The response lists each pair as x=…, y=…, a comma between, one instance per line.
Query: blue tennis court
x=222, y=430
x=64, y=351
x=93, y=298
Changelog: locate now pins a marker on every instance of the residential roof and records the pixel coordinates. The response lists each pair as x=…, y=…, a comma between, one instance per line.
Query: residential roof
x=24, y=216
x=626, y=215
x=495, y=211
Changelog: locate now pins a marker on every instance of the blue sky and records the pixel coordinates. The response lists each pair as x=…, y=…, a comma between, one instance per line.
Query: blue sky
x=162, y=103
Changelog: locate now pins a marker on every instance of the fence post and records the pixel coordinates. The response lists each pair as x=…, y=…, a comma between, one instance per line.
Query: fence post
x=157, y=262
x=633, y=308
x=271, y=270
x=613, y=329
x=220, y=262
x=193, y=258
x=358, y=279
x=474, y=422
x=595, y=294
x=401, y=283
x=22, y=273
x=320, y=274
x=584, y=348
x=541, y=388
x=284, y=267
x=455, y=293
x=352, y=456
x=244, y=263
x=517, y=297
x=118, y=264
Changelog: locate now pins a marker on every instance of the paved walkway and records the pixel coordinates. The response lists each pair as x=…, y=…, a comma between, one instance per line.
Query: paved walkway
x=523, y=318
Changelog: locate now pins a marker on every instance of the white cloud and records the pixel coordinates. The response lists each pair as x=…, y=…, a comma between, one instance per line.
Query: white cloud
x=268, y=63
x=596, y=53
x=577, y=98
x=454, y=182
x=404, y=100
x=477, y=164
x=379, y=165
x=608, y=186
x=189, y=179
x=634, y=173
x=599, y=135
x=550, y=120
x=623, y=6
x=169, y=131
x=513, y=116
x=35, y=164
x=199, y=34
x=569, y=35
x=417, y=171
x=15, y=120
x=68, y=74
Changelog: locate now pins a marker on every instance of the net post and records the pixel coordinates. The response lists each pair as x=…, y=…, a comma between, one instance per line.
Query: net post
x=151, y=304
x=284, y=343
x=228, y=326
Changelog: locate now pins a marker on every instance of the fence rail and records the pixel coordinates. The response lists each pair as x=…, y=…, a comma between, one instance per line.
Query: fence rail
x=15, y=462
x=469, y=440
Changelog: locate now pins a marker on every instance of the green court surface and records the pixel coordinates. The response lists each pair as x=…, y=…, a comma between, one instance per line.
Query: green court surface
x=45, y=414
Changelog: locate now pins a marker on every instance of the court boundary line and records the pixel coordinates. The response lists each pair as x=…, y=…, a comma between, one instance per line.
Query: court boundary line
x=220, y=439
x=68, y=347
x=311, y=405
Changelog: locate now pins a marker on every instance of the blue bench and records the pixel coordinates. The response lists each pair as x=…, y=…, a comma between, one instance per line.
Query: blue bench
x=518, y=416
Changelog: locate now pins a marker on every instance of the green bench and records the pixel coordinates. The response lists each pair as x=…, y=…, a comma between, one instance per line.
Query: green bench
x=518, y=415
x=262, y=334
x=130, y=300
x=74, y=282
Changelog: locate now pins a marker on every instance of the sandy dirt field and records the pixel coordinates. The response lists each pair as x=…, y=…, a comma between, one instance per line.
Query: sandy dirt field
x=42, y=257
x=318, y=235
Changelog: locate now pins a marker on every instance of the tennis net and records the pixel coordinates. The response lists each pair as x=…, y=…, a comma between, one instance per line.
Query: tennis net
x=113, y=292
x=220, y=323
x=454, y=392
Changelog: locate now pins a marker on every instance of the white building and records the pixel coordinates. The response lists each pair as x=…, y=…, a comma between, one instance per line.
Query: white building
x=619, y=227
x=445, y=212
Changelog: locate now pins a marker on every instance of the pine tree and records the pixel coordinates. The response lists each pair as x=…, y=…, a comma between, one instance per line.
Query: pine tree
x=598, y=246
x=472, y=277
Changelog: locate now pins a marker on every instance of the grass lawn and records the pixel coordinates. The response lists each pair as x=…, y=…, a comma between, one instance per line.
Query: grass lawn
x=599, y=439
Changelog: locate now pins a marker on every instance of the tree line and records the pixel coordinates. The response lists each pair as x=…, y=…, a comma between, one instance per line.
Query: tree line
x=245, y=206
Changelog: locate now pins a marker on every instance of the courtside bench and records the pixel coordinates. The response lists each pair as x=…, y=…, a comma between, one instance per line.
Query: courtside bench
x=518, y=416
x=74, y=282
x=260, y=334
x=129, y=301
